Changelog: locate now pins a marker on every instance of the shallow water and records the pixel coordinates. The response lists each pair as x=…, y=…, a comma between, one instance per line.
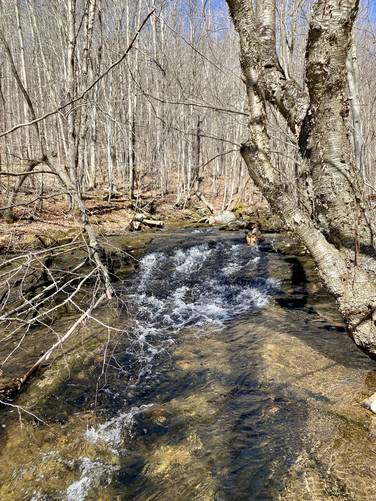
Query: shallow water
x=233, y=380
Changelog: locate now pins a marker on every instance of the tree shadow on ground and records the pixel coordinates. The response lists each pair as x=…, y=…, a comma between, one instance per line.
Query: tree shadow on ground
x=304, y=319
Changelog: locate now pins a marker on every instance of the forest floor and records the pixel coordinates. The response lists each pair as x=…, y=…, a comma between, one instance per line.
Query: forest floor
x=53, y=224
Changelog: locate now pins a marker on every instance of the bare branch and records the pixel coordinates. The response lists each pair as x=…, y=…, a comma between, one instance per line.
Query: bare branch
x=88, y=89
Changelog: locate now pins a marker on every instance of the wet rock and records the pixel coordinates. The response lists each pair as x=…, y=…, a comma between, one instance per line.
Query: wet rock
x=236, y=225
x=253, y=237
x=370, y=403
x=289, y=247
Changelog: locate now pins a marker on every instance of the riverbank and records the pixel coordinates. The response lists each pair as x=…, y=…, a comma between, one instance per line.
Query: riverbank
x=250, y=386
x=54, y=225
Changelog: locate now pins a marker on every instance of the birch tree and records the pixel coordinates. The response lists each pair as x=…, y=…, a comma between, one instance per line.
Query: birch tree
x=332, y=218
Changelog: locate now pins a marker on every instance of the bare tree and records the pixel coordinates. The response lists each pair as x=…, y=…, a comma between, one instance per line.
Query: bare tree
x=140, y=128
x=332, y=218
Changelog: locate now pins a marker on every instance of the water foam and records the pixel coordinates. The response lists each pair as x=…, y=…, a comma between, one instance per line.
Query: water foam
x=93, y=474
x=112, y=432
x=201, y=286
x=193, y=258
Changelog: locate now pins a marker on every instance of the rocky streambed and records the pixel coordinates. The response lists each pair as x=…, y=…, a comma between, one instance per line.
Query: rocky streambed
x=227, y=374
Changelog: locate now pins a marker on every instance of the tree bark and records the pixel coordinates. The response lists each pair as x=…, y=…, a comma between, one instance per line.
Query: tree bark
x=339, y=200
x=334, y=219
x=353, y=84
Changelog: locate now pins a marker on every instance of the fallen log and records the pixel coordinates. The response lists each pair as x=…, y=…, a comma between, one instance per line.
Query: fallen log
x=143, y=219
x=201, y=197
x=153, y=223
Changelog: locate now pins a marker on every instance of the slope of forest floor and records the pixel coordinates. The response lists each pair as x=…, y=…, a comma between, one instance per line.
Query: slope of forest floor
x=53, y=224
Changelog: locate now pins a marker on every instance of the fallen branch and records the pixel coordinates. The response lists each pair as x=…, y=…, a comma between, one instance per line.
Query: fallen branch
x=27, y=173
x=201, y=197
x=11, y=390
x=153, y=222
x=37, y=199
x=143, y=219
x=22, y=409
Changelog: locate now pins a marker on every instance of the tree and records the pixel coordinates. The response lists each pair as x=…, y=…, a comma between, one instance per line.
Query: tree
x=139, y=128
x=331, y=214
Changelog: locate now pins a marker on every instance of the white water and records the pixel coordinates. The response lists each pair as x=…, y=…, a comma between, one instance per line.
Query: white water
x=202, y=286
x=197, y=286
x=93, y=474
x=112, y=431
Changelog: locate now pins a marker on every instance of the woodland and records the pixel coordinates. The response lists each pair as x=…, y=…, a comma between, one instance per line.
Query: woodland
x=188, y=241
x=119, y=119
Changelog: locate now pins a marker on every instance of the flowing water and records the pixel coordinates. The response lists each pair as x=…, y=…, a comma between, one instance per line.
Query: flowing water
x=233, y=380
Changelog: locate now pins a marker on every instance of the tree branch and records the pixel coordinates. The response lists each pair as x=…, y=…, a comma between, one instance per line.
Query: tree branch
x=88, y=89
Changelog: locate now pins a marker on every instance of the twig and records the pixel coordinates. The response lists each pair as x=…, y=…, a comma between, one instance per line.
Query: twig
x=19, y=408
x=88, y=89
x=48, y=353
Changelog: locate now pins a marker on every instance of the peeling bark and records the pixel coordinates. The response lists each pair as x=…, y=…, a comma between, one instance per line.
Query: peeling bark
x=339, y=200
x=333, y=221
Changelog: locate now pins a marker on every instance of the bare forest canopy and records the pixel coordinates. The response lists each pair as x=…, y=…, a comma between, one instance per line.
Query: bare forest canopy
x=173, y=104
x=173, y=111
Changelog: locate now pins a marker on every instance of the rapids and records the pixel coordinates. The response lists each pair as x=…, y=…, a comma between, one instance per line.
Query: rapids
x=232, y=379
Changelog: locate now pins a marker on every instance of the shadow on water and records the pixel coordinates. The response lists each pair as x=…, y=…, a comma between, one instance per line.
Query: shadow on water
x=325, y=334
x=298, y=281
x=189, y=407
x=247, y=444
x=266, y=426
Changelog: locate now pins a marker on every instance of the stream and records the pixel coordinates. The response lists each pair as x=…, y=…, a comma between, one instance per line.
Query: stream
x=229, y=377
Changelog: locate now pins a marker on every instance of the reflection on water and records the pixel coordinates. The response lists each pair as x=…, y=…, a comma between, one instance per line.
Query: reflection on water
x=233, y=380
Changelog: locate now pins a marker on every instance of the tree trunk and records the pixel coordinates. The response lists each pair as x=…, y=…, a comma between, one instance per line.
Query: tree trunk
x=333, y=219
x=71, y=90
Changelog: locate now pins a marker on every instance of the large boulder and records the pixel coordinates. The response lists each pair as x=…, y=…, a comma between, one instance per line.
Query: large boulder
x=223, y=218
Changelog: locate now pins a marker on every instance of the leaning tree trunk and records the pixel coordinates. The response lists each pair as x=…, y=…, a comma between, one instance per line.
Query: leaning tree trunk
x=68, y=182
x=332, y=218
